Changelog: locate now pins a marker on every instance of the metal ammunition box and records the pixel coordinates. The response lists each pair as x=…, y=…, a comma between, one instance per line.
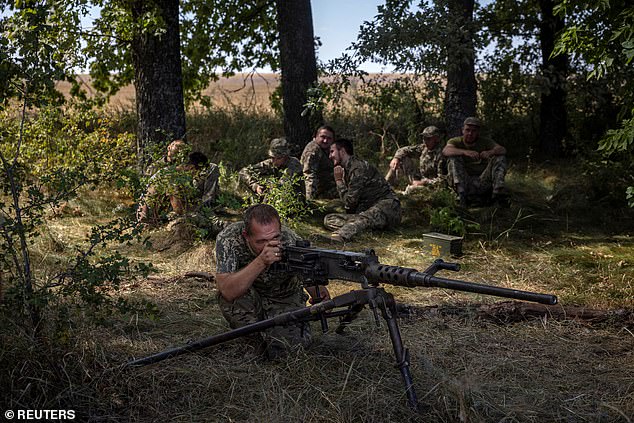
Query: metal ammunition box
x=442, y=245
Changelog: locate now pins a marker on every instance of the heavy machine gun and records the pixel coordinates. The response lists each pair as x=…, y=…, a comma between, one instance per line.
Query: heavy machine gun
x=317, y=266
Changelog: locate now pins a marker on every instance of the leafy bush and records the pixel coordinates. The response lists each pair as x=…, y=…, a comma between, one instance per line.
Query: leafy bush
x=387, y=112
x=443, y=215
x=282, y=193
x=70, y=138
x=46, y=159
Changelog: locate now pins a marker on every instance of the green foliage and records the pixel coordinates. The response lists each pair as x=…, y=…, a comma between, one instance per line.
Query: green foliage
x=619, y=140
x=443, y=216
x=227, y=35
x=47, y=155
x=35, y=53
x=229, y=182
x=601, y=34
x=97, y=271
x=87, y=282
x=446, y=220
x=283, y=194
x=71, y=138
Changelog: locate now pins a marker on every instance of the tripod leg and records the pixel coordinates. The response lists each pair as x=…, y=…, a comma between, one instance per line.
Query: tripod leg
x=388, y=310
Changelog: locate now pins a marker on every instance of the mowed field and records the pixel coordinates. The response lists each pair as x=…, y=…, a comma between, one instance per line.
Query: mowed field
x=243, y=90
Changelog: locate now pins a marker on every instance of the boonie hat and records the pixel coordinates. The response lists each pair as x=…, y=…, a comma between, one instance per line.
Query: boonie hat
x=279, y=147
x=430, y=131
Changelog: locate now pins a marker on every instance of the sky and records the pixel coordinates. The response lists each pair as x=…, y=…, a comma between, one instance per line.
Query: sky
x=337, y=22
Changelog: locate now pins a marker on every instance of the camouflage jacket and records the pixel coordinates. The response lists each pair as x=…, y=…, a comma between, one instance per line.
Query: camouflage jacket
x=208, y=185
x=253, y=174
x=362, y=186
x=432, y=162
x=317, y=169
x=233, y=253
x=198, y=188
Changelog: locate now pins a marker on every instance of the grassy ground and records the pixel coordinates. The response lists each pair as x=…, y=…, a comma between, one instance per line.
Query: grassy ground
x=466, y=367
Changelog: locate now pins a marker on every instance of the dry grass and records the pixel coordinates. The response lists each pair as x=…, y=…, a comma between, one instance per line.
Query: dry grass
x=465, y=368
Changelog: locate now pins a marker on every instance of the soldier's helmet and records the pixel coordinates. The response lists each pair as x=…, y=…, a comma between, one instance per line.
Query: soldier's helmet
x=279, y=147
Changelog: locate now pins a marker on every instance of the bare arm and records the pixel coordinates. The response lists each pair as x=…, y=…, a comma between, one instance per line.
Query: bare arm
x=235, y=285
x=498, y=150
x=453, y=151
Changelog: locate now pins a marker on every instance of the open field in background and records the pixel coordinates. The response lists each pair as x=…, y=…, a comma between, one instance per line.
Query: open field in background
x=473, y=358
x=250, y=90
x=243, y=90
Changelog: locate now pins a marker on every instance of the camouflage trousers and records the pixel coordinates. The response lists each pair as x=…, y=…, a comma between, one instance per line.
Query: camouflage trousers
x=410, y=169
x=384, y=214
x=252, y=308
x=490, y=180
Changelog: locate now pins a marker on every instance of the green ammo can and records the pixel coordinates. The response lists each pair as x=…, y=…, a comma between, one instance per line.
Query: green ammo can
x=442, y=245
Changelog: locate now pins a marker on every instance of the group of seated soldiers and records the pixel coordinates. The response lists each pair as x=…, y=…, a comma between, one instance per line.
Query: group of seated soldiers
x=474, y=166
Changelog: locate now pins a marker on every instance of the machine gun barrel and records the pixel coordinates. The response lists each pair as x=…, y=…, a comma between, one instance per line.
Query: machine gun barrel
x=318, y=265
x=401, y=276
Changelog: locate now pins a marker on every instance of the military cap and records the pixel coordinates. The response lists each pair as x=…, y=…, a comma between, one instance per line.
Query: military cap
x=430, y=131
x=279, y=147
x=472, y=121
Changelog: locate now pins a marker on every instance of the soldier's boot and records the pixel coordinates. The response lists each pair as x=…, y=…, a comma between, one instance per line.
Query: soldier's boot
x=462, y=197
x=500, y=198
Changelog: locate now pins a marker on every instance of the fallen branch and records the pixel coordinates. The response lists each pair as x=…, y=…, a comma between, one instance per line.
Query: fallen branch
x=516, y=311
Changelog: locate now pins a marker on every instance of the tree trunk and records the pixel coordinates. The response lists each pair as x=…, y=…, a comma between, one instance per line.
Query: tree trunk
x=552, y=113
x=461, y=90
x=299, y=68
x=158, y=79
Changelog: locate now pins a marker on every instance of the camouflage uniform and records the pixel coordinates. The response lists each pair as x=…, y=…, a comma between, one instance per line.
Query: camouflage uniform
x=252, y=175
x=199, y=213
x=368, y=200
x=418, y=163
x=478, y=177
x=271, y=293
x=201, y=192
x=208, y=185
x=318, y=172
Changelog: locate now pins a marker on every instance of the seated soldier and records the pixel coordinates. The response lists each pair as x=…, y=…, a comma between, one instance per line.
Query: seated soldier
x=177, y=189
x=204, y=188
x=422, y=164
x=369, y=201
x=477, y=166
x=317, y=167
x=280, y=165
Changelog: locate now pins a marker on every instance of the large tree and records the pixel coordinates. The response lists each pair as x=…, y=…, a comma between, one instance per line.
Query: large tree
x=433, y=39
x=298, y=66
x=461, y=88
x=158, y=81
x=553, y=115
x=523, y=35
x=171, y=50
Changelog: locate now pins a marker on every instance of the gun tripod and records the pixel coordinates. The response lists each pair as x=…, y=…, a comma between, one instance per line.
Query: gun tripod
x=366, y=270
x=375, y=297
